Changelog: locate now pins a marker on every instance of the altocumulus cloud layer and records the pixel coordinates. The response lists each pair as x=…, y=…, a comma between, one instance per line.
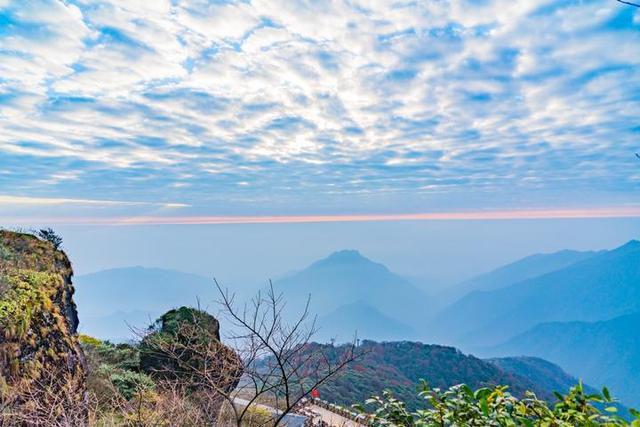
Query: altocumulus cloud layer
x=297, y=107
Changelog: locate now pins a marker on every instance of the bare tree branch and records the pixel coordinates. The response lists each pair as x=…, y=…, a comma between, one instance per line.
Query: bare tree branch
x=269, y=362
x=629, y=3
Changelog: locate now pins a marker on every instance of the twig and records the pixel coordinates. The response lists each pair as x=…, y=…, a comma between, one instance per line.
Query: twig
x=629, y=3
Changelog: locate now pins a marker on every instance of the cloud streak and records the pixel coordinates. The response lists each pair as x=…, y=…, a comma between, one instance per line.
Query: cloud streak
x=16, y=201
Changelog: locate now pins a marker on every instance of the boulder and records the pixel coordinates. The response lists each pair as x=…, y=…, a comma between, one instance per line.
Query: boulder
x=184, y=344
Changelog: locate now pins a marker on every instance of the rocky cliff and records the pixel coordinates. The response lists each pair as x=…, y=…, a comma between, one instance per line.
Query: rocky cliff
x=42, y=368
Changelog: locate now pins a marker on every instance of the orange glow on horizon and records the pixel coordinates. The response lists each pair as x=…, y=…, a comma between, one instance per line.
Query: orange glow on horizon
x=612, y=212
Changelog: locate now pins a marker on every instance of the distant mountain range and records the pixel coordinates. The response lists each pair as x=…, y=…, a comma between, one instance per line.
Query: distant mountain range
x=601, y=353
x=119, y=326
x=399, y=367
x=361, y=320
x=349, y=280
x=110, y=302
x=350, y=294
x=572, y=308
x=518, y=271
x=600, y=287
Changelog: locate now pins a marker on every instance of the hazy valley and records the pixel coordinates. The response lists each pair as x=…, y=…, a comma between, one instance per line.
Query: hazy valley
x=544, y=305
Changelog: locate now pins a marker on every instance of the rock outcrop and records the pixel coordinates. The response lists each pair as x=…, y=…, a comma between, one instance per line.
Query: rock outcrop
x=185, y=345
x=42, y=367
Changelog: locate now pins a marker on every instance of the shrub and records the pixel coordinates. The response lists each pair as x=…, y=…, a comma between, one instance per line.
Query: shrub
x=128, y=383
x=87, y=340
x=462, y=406
x=257, y=416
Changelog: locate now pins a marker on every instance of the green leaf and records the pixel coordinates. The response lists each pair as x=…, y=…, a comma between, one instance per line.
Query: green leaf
x=482, y=393
x=467, y=390
x=484, y=406
x=527, y=422
x=606, y=394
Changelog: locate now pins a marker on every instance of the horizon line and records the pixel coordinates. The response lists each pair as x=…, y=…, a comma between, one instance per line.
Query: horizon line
x=523, y=214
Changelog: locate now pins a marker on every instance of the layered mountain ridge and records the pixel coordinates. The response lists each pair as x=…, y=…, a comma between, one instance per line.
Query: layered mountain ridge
x=347, y=277
x=600, y=287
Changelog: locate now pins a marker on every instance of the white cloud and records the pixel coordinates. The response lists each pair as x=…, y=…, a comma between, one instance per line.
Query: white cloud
x=52, y=39
x=218, y=22
x=398, y=97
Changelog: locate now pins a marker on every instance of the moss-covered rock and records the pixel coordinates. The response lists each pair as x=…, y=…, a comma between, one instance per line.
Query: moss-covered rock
x=184, y=344
x=40, y=357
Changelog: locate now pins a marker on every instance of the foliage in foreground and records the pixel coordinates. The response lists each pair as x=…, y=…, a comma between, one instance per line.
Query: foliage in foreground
x=487, y=407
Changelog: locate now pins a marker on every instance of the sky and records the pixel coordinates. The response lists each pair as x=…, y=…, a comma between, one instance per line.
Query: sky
x=265, y=112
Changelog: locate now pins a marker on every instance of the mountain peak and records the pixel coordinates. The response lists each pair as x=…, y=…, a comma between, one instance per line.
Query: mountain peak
x=347, y=258
x=347, y=255
x=631, y=245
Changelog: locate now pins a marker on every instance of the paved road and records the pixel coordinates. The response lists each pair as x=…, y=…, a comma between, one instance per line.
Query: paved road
x=245, y=402
x=291, y=420
x=334, y=420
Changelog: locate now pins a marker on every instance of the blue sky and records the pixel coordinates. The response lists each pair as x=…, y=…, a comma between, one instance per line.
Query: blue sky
x=194, y=108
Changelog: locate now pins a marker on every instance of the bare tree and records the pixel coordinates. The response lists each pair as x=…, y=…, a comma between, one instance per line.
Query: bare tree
x=281, y=364
x=168, y=404
x=272, y=365
x=187, y=351
x=47, y=401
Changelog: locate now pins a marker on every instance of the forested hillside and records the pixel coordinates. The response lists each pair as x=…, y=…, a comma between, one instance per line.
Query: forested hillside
x=399, y=367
